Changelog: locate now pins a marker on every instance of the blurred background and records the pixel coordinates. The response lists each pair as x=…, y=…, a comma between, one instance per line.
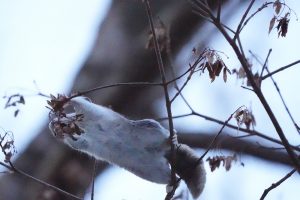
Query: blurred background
x=53, y=47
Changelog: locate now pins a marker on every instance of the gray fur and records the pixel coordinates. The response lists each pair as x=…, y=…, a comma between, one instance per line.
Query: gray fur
x=190, y=169
x=142, y=147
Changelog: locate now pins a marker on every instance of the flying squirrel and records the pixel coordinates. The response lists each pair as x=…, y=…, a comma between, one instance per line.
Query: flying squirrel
x=139, y=146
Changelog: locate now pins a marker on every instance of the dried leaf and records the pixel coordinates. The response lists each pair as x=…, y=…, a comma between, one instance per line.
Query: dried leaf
x=217, y=66
x=57, y=103
x=8, y=147
x=228, y=161
x=282, y=26
x=161, y=36
x=8, y=157
x=272, y=22
x=245, y=116
x=210, y=71
x=240, y=115
x=225, y=75
x=213, y=63
x=216, y=161
x=16, y=112
x=22, y=100
x=277, y=5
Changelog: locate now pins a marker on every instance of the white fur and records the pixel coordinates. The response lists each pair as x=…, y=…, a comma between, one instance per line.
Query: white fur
x=139, y=146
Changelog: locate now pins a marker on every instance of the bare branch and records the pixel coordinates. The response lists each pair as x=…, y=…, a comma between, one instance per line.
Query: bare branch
x=133, y=84
x=238, y=30
x=275, y=185
x=219, y=11
x=183, y=86
x=259, y=94
x=250, y=132
x=280, y=69
x=20, y=172
x=167, y=99
x=265, y=64
x=265, y=5
x=238, y=145
x=280, y=95
x=215, y=138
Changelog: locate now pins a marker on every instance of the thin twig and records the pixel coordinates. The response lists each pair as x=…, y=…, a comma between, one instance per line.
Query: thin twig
x=274, y=185
x=167, y=98
x=280, y=69
x=238, y=30
x=246, y=88
x=284, y=103
x=250, y=132
x=215, y=138
x=265, y=64
x=280, y=95
x=179, y=90
x=252, y=15
x=12, y=168
x=219, y=10
x=93, y=179
x=169, y=55
x=259, y=94
x=182, y=75
x=133, y=84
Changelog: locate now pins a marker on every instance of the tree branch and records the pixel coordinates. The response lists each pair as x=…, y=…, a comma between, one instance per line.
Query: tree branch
x=280, y=69
x=12, y=168
x=227, y=142
x=167, y=100
x=275, y=185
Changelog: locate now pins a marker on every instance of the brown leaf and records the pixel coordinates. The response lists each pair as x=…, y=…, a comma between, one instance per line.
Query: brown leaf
x=22, y=100
x=216, y=161
x=224, y=74
x=161, y=36
x=8, y=157
x=272, y=22
x=16, y=112
x=245, y=116
x=217, y=66
x=210, y=71
x=282, y=26
x=277, y=5
x=228, y=161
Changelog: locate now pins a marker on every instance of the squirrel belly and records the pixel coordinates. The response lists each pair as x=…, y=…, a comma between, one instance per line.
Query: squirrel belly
x=141, y=147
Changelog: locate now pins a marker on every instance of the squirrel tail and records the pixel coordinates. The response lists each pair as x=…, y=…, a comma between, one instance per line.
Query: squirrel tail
x=190, y=169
